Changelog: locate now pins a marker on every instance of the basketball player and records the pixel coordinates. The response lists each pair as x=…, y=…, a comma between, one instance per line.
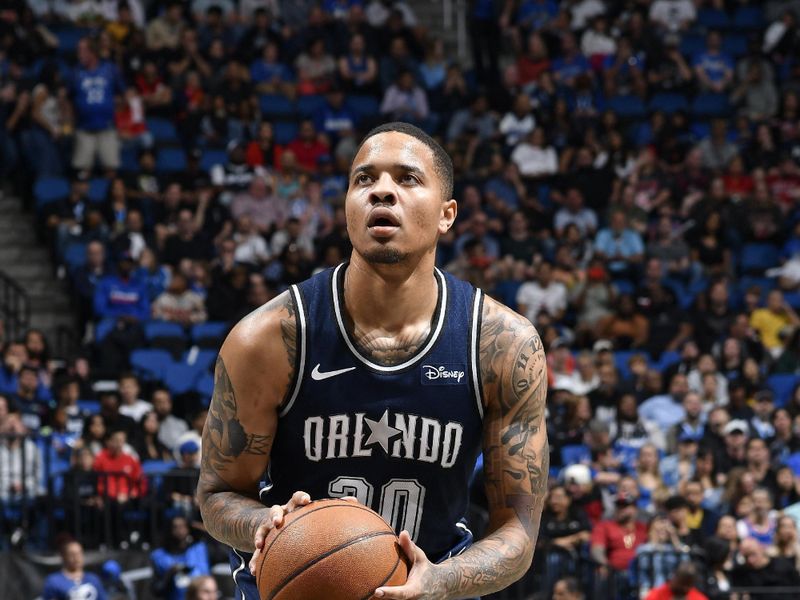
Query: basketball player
x=381, y=380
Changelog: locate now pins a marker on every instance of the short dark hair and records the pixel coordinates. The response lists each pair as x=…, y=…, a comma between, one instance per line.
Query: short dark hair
x=442, y=163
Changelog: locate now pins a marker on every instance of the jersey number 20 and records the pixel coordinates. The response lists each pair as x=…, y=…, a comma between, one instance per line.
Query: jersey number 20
x=400, y=503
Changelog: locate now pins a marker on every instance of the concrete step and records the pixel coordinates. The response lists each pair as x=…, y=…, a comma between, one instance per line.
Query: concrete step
x=18, y=233
x=43, y=287
x=9, y=203
x=28, y=271
x=24, y=254
x=55, y=303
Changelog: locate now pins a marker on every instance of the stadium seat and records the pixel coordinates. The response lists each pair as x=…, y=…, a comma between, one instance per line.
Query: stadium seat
x=74, y=256
x=103, y=328
x=179, y=378
x=575, y=453
x=735, y=44
x=757, y=258
x=201, y=359
x=213, y=157
x=792, y=299
x=129, y=160
x=782, y=387
x=285, y=131
x=205, y=386
x=310, y=106
x=667, y=359
x=68, y=38
x=210, y=334
x=50, y=189
x=621, y=358
x=150, y=363
x=793, y=462
x=748, y=18
x=627, y=107
x=711, y=105
x=363, y=106
x=170, y=160
x=692, y=44
x=668, y=103
x=167, y=336
x=98, y=189
x=163, y=130
x=276, y=106
x=90, y=406
x=713, y=18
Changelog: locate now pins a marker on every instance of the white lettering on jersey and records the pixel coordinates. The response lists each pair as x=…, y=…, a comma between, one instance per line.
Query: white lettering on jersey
x=312, y=436
x=337, y=436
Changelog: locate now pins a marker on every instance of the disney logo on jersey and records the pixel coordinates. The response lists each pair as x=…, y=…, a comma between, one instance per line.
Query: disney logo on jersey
x=442, y=374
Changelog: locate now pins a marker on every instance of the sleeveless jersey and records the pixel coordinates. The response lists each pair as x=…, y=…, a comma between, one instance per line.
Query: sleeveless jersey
x=403, y=439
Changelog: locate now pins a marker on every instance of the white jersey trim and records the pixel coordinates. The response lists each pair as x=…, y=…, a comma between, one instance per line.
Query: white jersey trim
x=301, y=342
x=474, y=351
x=420, y=355
x=238, y=570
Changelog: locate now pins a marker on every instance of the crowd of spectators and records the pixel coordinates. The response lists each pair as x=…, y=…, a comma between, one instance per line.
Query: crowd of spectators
x=628, y=176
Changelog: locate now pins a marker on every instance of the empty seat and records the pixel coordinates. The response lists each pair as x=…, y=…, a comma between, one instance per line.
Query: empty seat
x=210, y=334
x=150, y=363
x=285, y=131
x=668, y=103
x=627, y=107
x=167, y=336
x=98, y=189
x=276, y=106
x=713, y=18
x=211, y=157
x=782, y=387
x=711, y=105
x=363, y=106
x=179, y=378
x=572, y=454
x=162, y=130
x=748, y=18
x=74, y=256
x=310, y=106
x=170, y=160
x=200, y=358
x=757, y=258
x=50, y=189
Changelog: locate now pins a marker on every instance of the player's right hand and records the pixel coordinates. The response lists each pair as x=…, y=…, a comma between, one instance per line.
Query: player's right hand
x=275, y=519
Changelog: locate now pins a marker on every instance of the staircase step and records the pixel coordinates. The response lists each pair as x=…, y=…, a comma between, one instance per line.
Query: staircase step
x=28, y=271
x=53, y=304
x=8, y=204
x=14, y=254
x=44, y=287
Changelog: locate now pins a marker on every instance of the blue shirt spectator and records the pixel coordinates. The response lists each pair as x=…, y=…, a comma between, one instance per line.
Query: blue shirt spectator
x=535, y=14
x=620, y=245
x=121, y=295
x=72, y=582
x=571, y=64
x=268, y=69
x=179, y=561
x=335, y=119
x=94, y=86
x=663, y=410
x=713, y=67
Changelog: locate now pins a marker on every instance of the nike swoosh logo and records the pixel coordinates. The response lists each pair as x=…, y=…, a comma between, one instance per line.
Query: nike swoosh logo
x=318, y=375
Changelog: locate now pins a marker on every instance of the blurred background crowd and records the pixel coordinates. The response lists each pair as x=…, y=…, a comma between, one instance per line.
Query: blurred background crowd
x=628, y=176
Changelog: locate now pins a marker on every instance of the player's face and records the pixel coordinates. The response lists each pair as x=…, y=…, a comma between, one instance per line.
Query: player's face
x=394, y=206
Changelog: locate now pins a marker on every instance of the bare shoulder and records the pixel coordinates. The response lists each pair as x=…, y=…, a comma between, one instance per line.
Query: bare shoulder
x=511, y=355
x=260, y=352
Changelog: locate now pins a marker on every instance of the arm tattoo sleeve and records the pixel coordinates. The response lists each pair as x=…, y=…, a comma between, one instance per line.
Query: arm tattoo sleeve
x=516, y=458
x=234, y=458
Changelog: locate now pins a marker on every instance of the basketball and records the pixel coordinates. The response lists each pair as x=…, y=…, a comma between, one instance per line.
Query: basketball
x=330, y=550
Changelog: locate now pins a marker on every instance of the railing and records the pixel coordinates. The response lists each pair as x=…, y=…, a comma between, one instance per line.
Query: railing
x=454, y=14
x=15, y=307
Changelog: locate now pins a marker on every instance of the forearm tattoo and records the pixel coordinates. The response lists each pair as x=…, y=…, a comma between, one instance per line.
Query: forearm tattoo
x=516, y=458
x=226, y=492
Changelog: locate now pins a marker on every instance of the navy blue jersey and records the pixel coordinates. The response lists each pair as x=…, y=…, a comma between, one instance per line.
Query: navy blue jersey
x=402, y=439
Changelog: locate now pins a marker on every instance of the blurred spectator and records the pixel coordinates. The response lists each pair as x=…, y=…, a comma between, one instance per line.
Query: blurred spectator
x=187, y=241
x=769, y=321
x=620, y=245
x=714, y=68
x=179, y=304
x=573, y=211
x=358, y=70
x=657, y=558
x=673, y=15
x=72, y=581
x=680, y=585
x=627, y=328
x=170, y=427
x=119, y=296
x=180, y=482
x=567, y=588
x=178, y=560
x=404, y=100
x=113, y=419
x=203, y=587
x=164, y=32
x=761, y=523
x=759, y=570
x=756, y=92
x=785, y=543
x=80, y=488
x=476, y=122
x=614, y=541
x=533, y=158
x=95, y=85
x=542, y=295
x=21, y=463
x=315, y=69
x=131, y=404
x=146, y=442
x=51, y=124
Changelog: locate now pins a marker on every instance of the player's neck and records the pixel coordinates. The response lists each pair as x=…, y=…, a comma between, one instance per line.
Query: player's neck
x=397, y=296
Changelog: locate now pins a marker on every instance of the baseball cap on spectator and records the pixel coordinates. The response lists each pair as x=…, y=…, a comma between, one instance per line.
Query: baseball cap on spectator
x=576, y=474
x=189, y=447
x=675, y=502
x=688, y=437
x=737, y=425
x=603, y=346
x=559, y=342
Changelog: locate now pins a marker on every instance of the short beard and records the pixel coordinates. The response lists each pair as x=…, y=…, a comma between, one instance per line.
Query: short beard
x=385, y=256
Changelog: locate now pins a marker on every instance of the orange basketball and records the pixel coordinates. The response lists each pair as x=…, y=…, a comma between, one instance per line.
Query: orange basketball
x=330, y=550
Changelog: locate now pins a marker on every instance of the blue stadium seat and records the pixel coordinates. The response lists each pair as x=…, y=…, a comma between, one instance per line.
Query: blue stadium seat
x=213, y=157
x=285, y=131
x=103, y=328
x=150, y=363
x=310, y=106
x=170, y=160
x=735, y=44
x=180, y=379
x=748, y=18
x=98, y=189
x=363, y=106
x=711, y=105
x=756, y=258
x=210, y=334
x=203, y=359
x=159, y=329
x=692, y=44
x=621, y=358
x=575, y=453
x=627, y=455
x=50, y=189
x=765, y=283
x=129, y=160
x=667, y=359
x=205, y=386
x=792, y=299
x=74, y=256
x=668, y=103
x=68, y=38
x=156, y=467
x=782, y=387
x=163, y=130
x=627, y=107
x=276, y=106
x=90, y=406
x=712, y=18
x=793, y=462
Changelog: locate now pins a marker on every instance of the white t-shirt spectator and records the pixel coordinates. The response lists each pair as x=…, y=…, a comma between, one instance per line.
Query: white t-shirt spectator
x=250, y=249
x=534, y=161
x=594, y=42
x=516, y=129
x=585, y=219
x=672, y=14
x=136, y=410
x=584, y=11
x=535, y=298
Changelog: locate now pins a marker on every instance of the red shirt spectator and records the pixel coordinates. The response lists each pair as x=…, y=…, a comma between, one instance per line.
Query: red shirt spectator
x=664, y=592
x=614, y=541
x=307, y=148
x=115, y=462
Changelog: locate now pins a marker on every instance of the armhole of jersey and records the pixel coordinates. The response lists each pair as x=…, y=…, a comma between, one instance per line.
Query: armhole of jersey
x=300, y=357
x=474, y=348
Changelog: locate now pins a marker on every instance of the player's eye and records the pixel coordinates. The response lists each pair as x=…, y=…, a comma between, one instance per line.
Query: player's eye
x=363, y=179
x=409, y=179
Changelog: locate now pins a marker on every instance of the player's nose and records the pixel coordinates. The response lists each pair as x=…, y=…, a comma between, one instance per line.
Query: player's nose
x=384, y=191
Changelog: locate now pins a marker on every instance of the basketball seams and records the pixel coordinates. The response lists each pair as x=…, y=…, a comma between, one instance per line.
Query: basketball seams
x=323, y=505
x=297, y=572
x=385, y=579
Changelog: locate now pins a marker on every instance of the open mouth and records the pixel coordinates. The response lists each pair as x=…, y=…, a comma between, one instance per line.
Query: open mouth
x=381, y=218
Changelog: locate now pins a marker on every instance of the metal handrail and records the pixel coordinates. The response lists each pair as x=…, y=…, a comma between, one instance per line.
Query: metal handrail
x=15, y=307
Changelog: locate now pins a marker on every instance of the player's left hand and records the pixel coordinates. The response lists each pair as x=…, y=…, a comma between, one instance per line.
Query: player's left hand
x=423, y=582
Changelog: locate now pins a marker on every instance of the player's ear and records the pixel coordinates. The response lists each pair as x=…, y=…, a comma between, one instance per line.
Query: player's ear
x=448, y=216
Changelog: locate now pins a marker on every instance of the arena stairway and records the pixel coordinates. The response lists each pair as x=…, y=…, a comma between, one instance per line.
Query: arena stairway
x=27, y=261
x=431, y=16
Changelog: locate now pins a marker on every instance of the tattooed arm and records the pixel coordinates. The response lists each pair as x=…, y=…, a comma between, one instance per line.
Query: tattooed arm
x=516, y=459
x=255, y=368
